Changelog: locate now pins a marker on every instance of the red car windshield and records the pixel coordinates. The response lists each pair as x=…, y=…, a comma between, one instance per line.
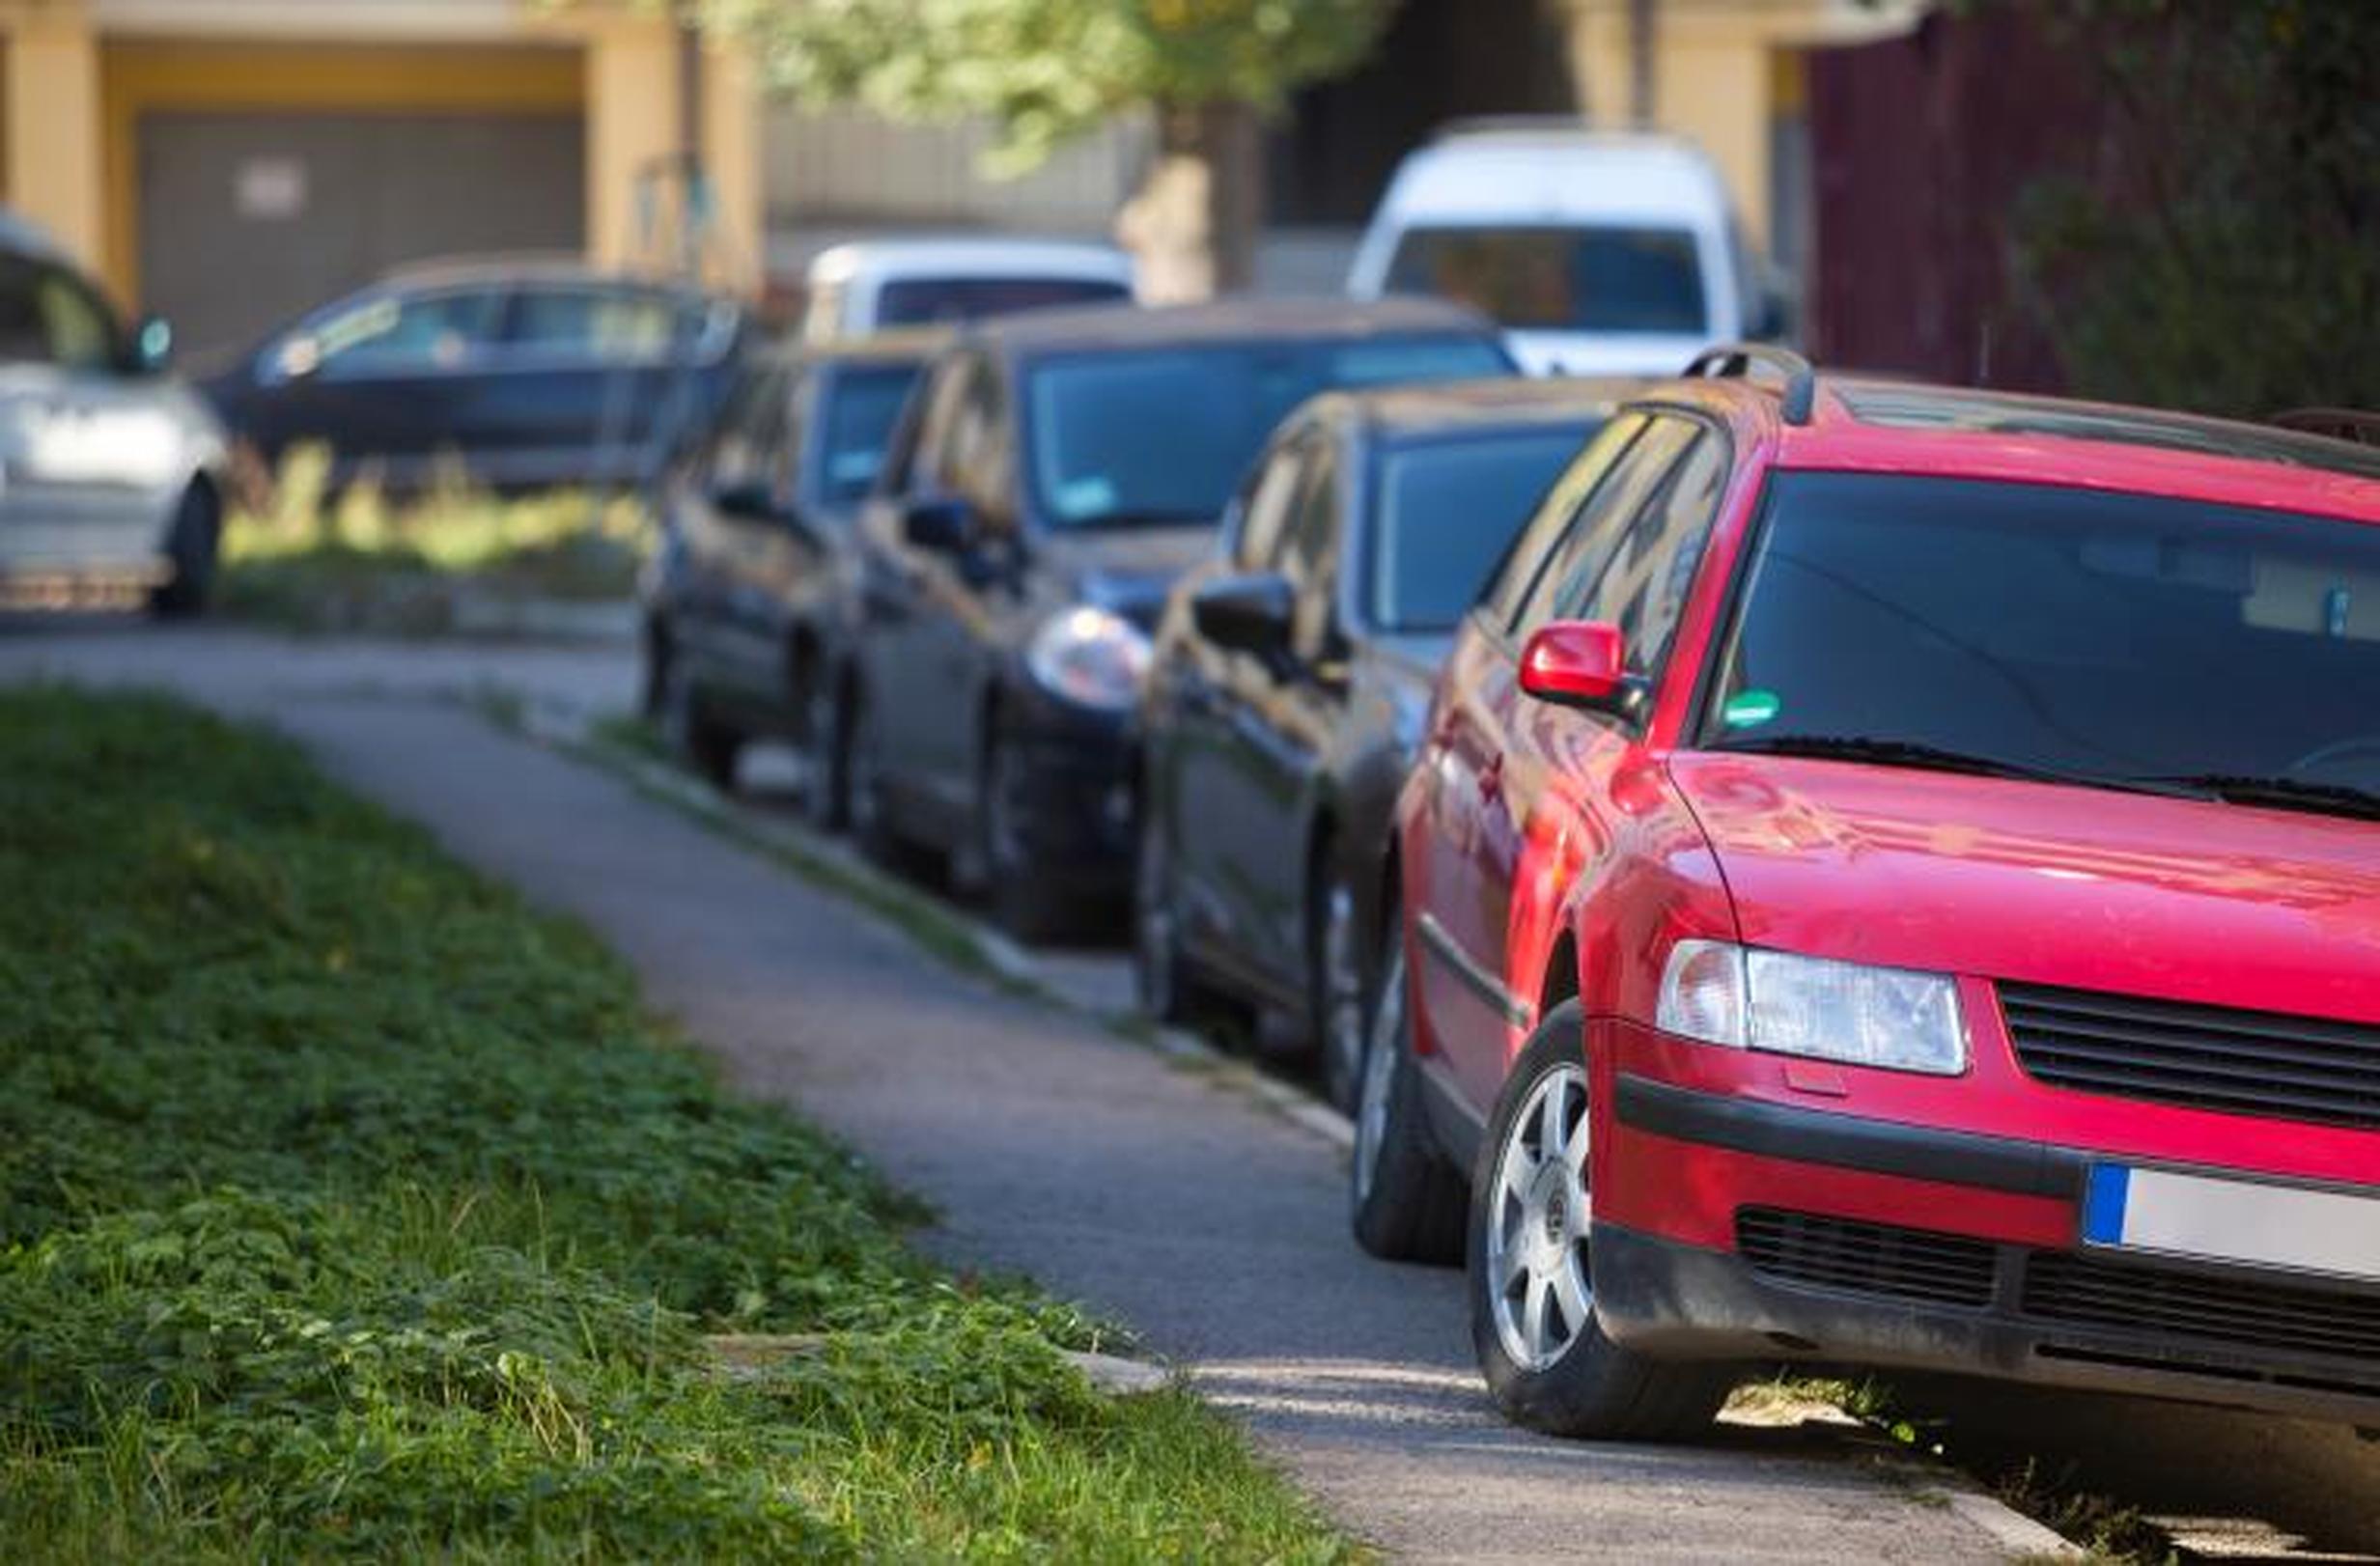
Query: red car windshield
x=2119, y=639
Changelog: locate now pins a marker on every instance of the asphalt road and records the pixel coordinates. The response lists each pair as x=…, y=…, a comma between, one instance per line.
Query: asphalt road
x=1111, y=1175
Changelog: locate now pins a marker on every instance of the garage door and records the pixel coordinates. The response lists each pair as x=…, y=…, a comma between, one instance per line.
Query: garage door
x=248, y=219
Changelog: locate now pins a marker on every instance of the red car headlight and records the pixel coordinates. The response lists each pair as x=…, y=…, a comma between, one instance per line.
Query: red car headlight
x=1749, y=999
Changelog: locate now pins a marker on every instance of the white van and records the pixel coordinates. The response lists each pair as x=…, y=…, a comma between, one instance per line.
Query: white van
x=1601, y=255
x=874, y=285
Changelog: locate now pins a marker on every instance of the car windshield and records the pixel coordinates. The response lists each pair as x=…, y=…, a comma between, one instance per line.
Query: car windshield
x=918, y=301
x=2087, y=637
x=1446, y=510
x=1160, y=435
x=1566, y=279
x=861, y=408
x=49, y=318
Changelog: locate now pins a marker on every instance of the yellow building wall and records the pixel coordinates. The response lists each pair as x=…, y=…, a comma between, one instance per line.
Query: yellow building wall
x=52, y=103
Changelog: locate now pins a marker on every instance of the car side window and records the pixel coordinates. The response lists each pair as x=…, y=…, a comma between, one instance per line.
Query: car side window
x=1596, y=531
x=749, y=450
x=977, y=455
x=401, y=334
x=593, y=325
x=1642, y=586
x=1526, y=556
x=928, y=468
x=1269, y=498
x=1308, y=551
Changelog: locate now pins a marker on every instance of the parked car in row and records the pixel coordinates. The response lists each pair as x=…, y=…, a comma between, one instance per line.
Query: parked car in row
x=521, y=375
x=1056, y=471
x=1600, y=254
x=878, y=285
x=1288, y=682
x=1893, y=877
x=111, y=470
x=749, y=602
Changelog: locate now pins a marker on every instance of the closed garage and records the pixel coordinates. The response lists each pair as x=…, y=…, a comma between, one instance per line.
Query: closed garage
x=247, y=219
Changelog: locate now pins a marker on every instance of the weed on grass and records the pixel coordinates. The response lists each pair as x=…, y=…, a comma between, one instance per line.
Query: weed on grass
x=349, y=1208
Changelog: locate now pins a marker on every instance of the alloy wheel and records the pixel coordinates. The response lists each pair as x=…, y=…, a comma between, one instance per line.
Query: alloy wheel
x=1536, y=1216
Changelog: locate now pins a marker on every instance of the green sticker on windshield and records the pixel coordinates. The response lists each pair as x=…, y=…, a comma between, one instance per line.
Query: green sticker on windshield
x=1750, y=708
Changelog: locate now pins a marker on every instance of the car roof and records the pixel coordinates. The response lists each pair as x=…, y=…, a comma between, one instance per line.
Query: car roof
x=1547, y=173
x=1504, y=402
x=1123, y=327
x=990, y=256
x=907, y=344
x=1874, y=424
x=467, y=271
x=20, y=235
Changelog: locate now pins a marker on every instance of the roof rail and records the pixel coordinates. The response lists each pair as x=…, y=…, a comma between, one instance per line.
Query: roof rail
x=1736, y=360
x=2353, y=425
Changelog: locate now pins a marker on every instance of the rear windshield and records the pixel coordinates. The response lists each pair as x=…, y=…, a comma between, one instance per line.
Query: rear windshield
x=920, y=301
x=863, y=405
x=1158, y=436
x=1447, y=511
x=2110, y=637
x=46, y=317
x=1544, y=278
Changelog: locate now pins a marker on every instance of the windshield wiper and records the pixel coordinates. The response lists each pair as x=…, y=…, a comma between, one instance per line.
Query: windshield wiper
x=1915, y=753
x=2277, y=793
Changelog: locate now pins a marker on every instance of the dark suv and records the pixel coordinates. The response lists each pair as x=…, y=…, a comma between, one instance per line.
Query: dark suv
x=1054, y=474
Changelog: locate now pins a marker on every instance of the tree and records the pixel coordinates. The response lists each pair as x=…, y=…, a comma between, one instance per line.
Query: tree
x=1048, y=70
x=2219, y=246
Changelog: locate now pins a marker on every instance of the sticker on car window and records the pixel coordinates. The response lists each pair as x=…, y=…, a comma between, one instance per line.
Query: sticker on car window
x=1750, y=708
x=1078, y=498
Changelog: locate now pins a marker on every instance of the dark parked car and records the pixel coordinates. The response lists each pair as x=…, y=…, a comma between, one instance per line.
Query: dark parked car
x=527, y=376
x=111, y=470
x=1289, y=680
x=748, y=601
x=1055, y=473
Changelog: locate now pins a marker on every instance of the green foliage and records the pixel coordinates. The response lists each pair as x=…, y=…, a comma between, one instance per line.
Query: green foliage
x=346, y=1207
x=1047, y=70
x=2222, y=250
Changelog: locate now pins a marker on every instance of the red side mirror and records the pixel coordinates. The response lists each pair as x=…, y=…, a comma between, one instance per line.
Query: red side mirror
x=1577, y=663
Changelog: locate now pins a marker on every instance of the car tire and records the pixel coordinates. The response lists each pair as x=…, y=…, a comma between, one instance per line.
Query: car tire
x=1405, y=1200
x=1023, y=902
x=1543, y=1351
x=1337, y=987
x=1162, y=983
x=704, y=744
x=825, y=797
x=191, y=544
x=869, y=813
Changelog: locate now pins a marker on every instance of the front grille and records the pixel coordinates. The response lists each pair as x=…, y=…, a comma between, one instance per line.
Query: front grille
x=2293, y=1319
x=2205, y=1057
x=1865, y=1258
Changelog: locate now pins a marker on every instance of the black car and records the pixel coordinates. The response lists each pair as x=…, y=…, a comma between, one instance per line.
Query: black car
x=527, y=376
x=1291, y=675
x=1055, y=472
x=747, y=602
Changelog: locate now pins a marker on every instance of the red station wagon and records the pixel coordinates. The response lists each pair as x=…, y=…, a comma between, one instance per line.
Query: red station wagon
x=1893, y=877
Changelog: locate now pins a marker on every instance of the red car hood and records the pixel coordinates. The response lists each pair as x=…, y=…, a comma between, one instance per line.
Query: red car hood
x=2214, y=904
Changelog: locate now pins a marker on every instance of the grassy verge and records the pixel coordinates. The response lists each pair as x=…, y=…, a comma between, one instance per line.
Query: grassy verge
x=425, y=567
x=349, y=1208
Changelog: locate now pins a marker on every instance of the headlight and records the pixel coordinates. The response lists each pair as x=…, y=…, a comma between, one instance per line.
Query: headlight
x=1848, y=1012
x=1090, y=656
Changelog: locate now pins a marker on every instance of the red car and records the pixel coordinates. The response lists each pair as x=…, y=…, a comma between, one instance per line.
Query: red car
x=1893, y=877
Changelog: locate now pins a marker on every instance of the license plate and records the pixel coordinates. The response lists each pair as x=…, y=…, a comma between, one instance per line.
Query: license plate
x=2232, y=1220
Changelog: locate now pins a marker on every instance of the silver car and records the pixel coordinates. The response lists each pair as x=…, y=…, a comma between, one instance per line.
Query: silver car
x=111, y=471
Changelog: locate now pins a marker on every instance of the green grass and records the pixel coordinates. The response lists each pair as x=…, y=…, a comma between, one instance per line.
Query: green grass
x=304, y=562
x=350, y=1209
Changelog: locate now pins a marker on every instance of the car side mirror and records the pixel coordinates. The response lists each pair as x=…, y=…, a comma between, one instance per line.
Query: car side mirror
x=297, y=357
x=944, y=525
x=1583, y=664
x=1245, y=614
x=152, y=345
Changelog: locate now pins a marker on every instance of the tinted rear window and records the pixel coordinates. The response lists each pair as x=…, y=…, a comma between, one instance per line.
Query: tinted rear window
x=1624, y=280
x=918, y=301
x=1162, y=436
x=1444, y=512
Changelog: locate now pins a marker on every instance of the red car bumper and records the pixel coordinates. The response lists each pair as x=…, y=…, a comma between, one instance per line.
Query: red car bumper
x=1747, y=1207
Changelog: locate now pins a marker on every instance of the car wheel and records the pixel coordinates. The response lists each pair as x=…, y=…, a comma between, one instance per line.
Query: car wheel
x=825, y=797
x=870, y=816
x=1405, y=1199
x=709, y=747
x=191, y=546
x=1334, y=987
x=1545, y=1356
x=1022, y=901
x=1158, y=974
